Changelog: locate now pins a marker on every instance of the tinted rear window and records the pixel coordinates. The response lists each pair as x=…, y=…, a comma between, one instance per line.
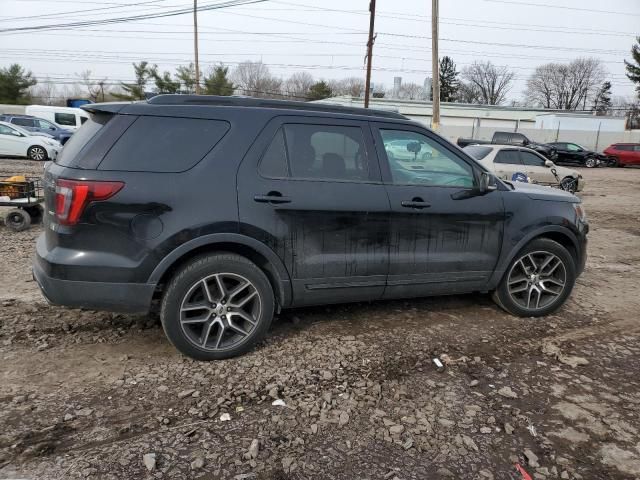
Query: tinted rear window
x=68, y=157
x=478, y=152
x=164, y=144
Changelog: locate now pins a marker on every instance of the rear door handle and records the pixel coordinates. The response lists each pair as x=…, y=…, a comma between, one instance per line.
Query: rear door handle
x=272, y=197
x=415, y=203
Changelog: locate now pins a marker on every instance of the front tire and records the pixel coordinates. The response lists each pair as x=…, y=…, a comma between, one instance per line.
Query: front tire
x=217, y=306
x=538, y=280
x=569, y=184
x=37, y=153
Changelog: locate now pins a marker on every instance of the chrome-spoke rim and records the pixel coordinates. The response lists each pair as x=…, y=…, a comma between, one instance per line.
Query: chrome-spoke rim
x=37, y=153
x=537, y=280
x=220, y=311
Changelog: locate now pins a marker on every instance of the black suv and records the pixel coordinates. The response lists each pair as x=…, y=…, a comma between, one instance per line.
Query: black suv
x=225, y=210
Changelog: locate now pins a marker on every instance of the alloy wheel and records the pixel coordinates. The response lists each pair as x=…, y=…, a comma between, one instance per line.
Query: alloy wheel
x=220, y=311
x=537, y=280
x=38, y=153
x=590, y=162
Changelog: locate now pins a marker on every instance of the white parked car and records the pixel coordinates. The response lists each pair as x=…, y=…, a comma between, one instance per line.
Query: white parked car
x=15, y=141
x=512, y=163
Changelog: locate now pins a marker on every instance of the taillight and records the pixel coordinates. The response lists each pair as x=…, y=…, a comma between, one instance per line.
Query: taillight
x=73, y=195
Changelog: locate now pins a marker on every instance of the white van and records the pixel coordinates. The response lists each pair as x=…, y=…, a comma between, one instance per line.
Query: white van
x=64, y=117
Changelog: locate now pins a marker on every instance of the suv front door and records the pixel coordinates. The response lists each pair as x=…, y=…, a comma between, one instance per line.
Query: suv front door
x=310, y=188
x=445, y=237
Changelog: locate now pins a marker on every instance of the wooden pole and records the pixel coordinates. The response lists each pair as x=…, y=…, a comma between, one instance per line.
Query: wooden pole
x=195, y=44
x=367, y=86
x=435, y=66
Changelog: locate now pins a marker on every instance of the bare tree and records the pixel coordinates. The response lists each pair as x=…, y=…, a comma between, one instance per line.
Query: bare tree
x=565, y=86
x=254, y=79
x=468, y=93
x=95, y=89
x=411, y=91
x=45, y=92
x=352, y=86
x=297, y=85
x=491, y=81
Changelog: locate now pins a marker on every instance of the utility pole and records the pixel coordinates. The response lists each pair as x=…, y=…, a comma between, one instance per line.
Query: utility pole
x=195, y=44
x=435, y=66
x=367, y=87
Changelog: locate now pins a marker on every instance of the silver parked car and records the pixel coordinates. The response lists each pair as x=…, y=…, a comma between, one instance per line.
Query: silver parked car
x=513, y=163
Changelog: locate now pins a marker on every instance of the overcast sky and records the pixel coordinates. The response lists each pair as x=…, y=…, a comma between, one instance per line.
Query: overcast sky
x=326, y=38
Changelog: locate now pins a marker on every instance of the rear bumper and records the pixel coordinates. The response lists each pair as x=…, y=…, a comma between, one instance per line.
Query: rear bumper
x=109, y=296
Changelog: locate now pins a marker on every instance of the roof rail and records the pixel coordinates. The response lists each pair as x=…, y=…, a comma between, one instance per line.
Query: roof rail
x=234, y=101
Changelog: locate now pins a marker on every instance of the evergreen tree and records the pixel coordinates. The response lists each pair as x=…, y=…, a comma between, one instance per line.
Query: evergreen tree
x=319, y=90
x=135, y=91
x=218, y=83
x=633, y=68
x=602, y=101
x=164, y=83
x=14, y=85
x=449, y=83
x=187, y=77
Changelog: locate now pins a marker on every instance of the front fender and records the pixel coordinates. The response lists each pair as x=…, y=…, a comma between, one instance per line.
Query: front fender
x=509, y=255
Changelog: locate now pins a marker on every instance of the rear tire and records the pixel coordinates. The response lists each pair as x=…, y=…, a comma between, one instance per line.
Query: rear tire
x=37, y=153
x=538, y=280
x=591, y=162
x=17, y=220
x=217, y=306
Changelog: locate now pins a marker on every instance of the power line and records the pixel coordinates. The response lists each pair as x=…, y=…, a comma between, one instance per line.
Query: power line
x=215, y=6
x=551, y=5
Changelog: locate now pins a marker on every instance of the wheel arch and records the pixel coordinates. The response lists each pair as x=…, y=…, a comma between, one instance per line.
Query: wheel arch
x=561, y=235
x=265, y=258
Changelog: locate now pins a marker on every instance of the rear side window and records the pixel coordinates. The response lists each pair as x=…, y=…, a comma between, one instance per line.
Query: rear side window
x=626, y=148
x=69, y=157
x=164, y=144
x=23, y=122
x=326, y=152
x=507, y=156
x=68, y=119
x=274, y=160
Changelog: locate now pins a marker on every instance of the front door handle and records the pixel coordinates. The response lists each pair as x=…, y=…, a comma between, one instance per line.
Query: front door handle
x=415, y=203
x=272, y=197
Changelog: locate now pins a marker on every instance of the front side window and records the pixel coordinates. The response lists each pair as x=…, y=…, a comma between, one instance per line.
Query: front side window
x=65, y=119
x=531, y=159
x=508, y=156
x=415, y=159
x=44, y=124
x=326, y=152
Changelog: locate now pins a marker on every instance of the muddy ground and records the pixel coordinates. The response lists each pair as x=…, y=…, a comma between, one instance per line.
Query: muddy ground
x=99, y=395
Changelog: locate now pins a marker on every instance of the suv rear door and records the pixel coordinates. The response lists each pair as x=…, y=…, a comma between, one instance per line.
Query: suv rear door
x=444, y=237
x=310, y=189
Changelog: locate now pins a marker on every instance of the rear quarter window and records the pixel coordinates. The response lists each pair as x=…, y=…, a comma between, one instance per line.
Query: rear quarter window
x=164, y=144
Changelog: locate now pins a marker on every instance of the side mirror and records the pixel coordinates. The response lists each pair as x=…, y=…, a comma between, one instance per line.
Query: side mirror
x=487, y=183
x=548, y=163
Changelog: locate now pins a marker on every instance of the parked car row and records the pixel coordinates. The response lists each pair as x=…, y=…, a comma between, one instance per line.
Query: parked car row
x=16, y=141
x=568, y=153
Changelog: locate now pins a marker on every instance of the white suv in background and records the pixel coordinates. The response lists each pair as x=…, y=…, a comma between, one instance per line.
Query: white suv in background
x=18, y=142
x=511, y=163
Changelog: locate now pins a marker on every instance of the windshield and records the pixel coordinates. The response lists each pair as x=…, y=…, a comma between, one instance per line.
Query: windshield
x=477, y=151
x=21, y=130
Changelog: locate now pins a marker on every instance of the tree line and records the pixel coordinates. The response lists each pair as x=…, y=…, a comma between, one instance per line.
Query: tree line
x=577, y=85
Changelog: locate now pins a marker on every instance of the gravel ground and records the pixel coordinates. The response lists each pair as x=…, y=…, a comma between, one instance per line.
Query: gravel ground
x=97, y=395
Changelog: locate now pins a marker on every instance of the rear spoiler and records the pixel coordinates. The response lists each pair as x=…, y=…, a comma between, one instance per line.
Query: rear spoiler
x=109, y=107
